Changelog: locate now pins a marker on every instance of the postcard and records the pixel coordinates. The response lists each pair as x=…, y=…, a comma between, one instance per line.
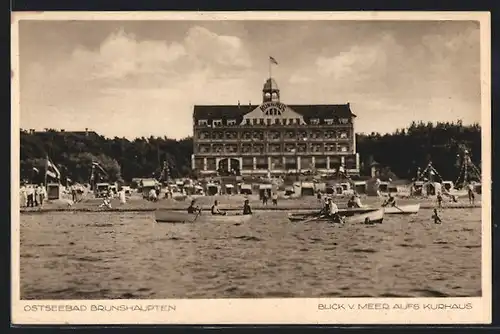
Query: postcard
x=251, y=168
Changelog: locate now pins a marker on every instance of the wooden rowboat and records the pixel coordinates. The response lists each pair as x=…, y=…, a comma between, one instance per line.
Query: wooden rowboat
x=402, y=209
x=167, y=216
x=372, y=216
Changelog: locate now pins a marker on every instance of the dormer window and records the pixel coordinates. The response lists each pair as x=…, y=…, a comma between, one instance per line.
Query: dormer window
x=202, y=122
x=314, y=121
x=231, y=122
x=329, y=121
x=217, y=122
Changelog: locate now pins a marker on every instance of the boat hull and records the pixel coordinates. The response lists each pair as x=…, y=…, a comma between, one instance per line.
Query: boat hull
x=407, y=209
x=372, y=216
x=166, y=216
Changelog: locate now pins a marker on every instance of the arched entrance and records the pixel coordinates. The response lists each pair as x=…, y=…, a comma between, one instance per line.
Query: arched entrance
x=229, y=166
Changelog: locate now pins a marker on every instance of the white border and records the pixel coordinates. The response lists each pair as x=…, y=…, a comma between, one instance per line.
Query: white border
x=262, y=311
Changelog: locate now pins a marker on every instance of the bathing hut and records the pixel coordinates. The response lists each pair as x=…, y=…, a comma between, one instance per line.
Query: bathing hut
x=198, y=190
x=212, y=189
x=477, y=188
x=289, y=191
x=146, y=185
x=307, y=189
x=246, y=189
x=330, y=189
x=383, y=186
x=447, y=185
x=360, y=187
x=392, y=189
x=53, y=191
x=432, y=188
x=229, y=189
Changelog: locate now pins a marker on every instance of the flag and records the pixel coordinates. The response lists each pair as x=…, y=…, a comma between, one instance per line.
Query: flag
x=96, y=165
x=51, y=170
x=273, y=61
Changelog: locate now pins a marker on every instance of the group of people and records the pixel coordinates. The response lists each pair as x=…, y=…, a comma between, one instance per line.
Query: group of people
x=274, y=198
x=109, y=195
x=214, y=210
x=32, y=195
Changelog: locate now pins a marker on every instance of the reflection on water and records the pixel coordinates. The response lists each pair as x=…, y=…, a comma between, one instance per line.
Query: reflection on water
x=126, y=255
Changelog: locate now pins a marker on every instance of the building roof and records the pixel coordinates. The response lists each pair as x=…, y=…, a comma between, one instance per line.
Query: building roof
x=308, y=111
x=270, y=85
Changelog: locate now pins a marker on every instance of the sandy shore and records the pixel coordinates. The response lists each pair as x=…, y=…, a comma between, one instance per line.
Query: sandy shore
x=230, y=203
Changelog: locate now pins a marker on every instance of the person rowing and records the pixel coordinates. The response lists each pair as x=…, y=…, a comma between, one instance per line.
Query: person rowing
x=192, y=208
x=326, y=207
x=355, y=202
x=333, y=212
x=351, y=203
x=391, y=201
x=215, y=209
x=247, y=210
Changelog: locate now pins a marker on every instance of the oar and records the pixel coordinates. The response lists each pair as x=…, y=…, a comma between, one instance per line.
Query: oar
x=399, y=209
x=313, y=218
x=196, y=217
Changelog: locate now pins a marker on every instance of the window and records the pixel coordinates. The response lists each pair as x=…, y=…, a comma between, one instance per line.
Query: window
x=316, y=134
x=297, y=120
x=203, y=122
x=268, y=121
x=317, y=148
x=217, y=122
x=247, y=121
x=330, y=147
x=261, y=121
x=343, y=120
x=314, y=121
x=343, y=135
x=255, y=121
x=204, y=135
x=231, y=122
x=290, y=121
x=344, y=149
x=329, y=121
x=276, y=121
x=329, y=134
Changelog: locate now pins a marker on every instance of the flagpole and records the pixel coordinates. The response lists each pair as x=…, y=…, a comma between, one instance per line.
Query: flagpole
x=46, y=169
x=270, y=66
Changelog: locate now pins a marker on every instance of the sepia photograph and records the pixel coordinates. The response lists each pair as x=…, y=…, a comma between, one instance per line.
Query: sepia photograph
x=248, y=159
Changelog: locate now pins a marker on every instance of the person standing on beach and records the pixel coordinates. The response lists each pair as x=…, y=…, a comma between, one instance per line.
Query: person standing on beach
x=246, y=208
x=73, y=193
x=439, y=199
x=436, y=218
x=30, y=193
x=470, y=192
x=22, y=196
x=123, y=198
x=275, y=199
x=264, y=198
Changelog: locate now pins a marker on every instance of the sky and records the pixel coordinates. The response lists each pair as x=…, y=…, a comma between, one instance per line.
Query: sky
x=142, y=78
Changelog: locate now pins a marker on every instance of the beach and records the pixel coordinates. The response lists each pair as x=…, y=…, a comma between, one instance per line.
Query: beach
x=127, y=255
